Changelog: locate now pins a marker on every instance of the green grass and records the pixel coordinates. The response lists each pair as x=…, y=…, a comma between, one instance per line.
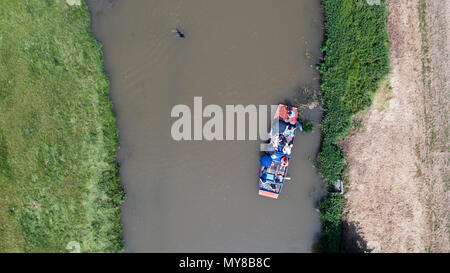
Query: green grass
x=59, y=177
x=355, y=61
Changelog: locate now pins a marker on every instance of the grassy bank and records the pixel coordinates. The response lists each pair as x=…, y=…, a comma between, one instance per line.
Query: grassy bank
x=58, y=174
x=355, y=60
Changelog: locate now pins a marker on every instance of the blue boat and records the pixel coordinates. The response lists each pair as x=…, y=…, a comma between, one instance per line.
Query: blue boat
x=275, y=162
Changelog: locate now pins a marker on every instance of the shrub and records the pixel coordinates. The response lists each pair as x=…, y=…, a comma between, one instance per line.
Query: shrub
x=330, y=209
x=307, y=125
x=355, y=60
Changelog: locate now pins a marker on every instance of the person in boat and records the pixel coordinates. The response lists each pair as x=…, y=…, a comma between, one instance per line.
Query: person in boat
x=179, y=33
x=290, y=129
x=291, y=142
x=263, y=176
x=291, y=113
x=276, y=141
x=284, y=161
x=277, y=179
x=280, y=178
x=287, y=149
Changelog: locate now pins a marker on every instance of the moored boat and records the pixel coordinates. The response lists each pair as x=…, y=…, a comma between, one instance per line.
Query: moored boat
x=275, y=162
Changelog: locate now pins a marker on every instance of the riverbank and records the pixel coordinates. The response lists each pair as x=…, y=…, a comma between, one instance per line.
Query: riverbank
x=355, y=61
x=58, y=172
x=399, y=154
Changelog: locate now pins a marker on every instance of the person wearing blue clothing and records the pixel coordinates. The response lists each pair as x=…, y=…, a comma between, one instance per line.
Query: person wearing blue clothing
x=290, y=129
x=291, y=114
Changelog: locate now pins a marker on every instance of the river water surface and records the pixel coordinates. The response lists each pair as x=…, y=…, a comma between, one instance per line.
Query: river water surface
x=203, y=196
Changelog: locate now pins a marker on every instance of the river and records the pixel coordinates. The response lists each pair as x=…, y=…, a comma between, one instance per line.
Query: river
x=200, y=196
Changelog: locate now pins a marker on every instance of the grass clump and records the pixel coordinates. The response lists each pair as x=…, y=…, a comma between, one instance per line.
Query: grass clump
x=307, y=125
x=355, y=60
x=59, y=177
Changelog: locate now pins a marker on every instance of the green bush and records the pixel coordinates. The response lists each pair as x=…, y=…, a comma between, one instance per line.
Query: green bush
x=355, y=60
x=307, y=125
x=330, y=209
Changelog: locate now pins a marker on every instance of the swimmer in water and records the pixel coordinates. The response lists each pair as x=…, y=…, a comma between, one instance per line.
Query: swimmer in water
x=179, y=33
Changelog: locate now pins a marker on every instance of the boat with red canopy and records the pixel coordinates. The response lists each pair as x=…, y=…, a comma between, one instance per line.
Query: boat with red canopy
x=275, y=162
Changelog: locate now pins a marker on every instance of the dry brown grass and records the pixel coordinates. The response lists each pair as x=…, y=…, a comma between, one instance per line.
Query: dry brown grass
x=433, y=150
x=397, y=198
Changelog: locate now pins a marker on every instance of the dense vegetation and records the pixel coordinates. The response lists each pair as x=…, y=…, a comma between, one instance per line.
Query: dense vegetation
x=355, y=60
x=307, y=125
x=58, y=174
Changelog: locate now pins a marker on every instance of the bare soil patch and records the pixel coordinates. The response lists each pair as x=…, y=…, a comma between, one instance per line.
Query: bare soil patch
x=397, y=177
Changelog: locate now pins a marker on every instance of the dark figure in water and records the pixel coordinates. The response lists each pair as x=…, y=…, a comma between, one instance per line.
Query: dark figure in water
x=179, y=33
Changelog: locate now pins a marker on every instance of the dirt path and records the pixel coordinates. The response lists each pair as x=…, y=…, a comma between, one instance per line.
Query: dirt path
x=398, y=158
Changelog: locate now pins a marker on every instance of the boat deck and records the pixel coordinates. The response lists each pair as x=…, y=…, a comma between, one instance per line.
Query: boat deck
x=272, y=177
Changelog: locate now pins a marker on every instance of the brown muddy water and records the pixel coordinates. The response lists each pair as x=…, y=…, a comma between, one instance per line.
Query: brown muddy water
x=203, y=196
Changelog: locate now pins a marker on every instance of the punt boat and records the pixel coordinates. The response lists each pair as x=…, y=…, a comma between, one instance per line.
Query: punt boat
x=275, y=161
